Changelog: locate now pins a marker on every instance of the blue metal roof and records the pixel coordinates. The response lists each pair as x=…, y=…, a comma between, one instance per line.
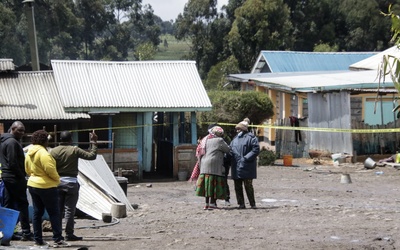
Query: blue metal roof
x=296, y=61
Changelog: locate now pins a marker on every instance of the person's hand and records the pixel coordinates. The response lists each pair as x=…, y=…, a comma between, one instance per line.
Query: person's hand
x=93, y=136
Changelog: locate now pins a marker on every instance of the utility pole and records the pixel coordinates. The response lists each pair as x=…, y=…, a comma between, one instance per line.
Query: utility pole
x=29, y=12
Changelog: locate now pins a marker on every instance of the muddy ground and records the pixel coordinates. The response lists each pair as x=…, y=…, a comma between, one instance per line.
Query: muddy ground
x=300, y=207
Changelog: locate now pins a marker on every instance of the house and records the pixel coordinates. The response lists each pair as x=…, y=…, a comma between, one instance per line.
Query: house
x=141, y=110
x=326, y=91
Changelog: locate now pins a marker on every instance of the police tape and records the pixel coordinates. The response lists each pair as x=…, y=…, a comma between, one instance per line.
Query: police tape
x=267, y=126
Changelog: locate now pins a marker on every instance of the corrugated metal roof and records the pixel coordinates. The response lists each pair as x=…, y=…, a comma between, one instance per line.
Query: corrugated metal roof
x=375, y=61
x=316, y=81
x=32, y=96
x=6, y=64
x=130, y=86
x=295, y=61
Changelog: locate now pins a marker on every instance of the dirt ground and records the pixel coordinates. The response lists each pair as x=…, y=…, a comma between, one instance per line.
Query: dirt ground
x=305, y=206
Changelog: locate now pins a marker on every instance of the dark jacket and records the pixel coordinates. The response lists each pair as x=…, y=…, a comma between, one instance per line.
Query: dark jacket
x=67, y=158
x=12, y=158
x=244, y=152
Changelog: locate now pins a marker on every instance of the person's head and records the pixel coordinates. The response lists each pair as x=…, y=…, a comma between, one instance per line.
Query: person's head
x=218, y=131
x=243, y=125
x=40, y=137
x=66, y=136
x=17, y=129
x=211, y=126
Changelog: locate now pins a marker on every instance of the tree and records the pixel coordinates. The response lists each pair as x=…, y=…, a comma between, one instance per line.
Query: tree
x=201, y=24
x=259, y=25
x=216, y=77
x=10, y=46
x=234, y=106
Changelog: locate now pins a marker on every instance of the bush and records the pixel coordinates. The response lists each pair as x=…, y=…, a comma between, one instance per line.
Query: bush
x=266, y=157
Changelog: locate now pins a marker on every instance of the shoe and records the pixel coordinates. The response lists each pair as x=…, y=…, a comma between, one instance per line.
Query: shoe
x=16, y=236
x=60, y=243
x=213, y=206
x=206, y=207
x=253, y=207
x=73, y=237
x=6, y=244
x=227, y=203
x=41, y=244
x=27, y=237
x=242, y=207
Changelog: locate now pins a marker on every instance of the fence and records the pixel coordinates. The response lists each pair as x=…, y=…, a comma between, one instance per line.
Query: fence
x=363, y=143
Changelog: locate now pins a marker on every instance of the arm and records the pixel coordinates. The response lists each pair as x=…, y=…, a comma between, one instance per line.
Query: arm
x=255, y=149
x=91, y=155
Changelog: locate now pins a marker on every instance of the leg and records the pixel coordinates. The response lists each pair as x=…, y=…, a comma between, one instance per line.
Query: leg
x=228, y=193
x=38, y=211
x=248, y=185
x=239, y=193
x=50, y=201
x=15, y=198
x=71, y=199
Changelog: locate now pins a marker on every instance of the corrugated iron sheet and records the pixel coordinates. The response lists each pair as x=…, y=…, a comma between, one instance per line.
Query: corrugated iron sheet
x=97, y=199
x=137, y=86
x=296, y=61
x=330, y=110
x=32, y=96
x=6, y=64
x=374, y=62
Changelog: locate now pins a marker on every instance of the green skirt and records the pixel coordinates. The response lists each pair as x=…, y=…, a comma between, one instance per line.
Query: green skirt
x=211, y=186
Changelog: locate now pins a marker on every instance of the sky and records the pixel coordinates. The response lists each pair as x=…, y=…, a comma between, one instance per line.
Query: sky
x=169, y=9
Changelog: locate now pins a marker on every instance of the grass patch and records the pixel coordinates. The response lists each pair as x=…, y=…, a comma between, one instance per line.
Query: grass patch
x=175, y=49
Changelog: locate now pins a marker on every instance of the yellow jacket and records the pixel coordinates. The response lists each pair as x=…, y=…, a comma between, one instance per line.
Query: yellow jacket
x=41, y=168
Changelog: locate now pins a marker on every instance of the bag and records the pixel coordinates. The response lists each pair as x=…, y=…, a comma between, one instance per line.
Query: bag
x=195, y=173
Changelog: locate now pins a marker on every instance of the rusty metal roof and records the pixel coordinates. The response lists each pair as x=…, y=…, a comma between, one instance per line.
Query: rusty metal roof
x=32, y=96
x=138, y=86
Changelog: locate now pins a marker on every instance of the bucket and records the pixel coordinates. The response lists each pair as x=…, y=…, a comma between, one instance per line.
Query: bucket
x=8, y=220
x=369, y=163
x=345, y=178
x=182, y=175
x=287, y=160
x=123, y=182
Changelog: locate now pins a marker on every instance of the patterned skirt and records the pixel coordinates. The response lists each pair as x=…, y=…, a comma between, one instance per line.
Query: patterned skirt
x=209, y=185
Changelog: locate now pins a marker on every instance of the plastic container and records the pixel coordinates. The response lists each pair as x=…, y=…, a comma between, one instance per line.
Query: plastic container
x=369, y=163
x=182, y=175
x=287, y=160
x=8, y=220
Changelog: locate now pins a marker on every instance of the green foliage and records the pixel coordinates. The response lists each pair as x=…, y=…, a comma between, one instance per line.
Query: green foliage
x=248, y=35
x=233, y=106
x=176, y=50
x=145, y=51
x=266, y=157
x=216, y=77
x=323, y=47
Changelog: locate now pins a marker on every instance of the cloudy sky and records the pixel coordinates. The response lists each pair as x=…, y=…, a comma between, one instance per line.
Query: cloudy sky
x=169, y=9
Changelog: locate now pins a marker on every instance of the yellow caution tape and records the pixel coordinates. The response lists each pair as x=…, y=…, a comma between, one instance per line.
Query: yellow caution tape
x=335, y=130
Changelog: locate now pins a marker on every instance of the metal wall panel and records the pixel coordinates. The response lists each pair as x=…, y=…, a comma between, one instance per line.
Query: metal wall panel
x=330, y=110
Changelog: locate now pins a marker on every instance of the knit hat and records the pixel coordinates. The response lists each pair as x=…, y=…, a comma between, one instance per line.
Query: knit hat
x=243, y=125
x=217, y=130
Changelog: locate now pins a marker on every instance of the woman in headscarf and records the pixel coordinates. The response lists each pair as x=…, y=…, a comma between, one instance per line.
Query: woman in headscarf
x=211, y=182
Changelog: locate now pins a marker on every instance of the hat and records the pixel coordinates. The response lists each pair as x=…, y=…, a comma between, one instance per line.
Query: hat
x=243, y=125
x=212, y=125
x=217, y=130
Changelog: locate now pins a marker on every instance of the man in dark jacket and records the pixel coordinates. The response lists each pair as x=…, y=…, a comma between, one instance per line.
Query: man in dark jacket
x=13, y=174
x=244, y=152
x=67, y=157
